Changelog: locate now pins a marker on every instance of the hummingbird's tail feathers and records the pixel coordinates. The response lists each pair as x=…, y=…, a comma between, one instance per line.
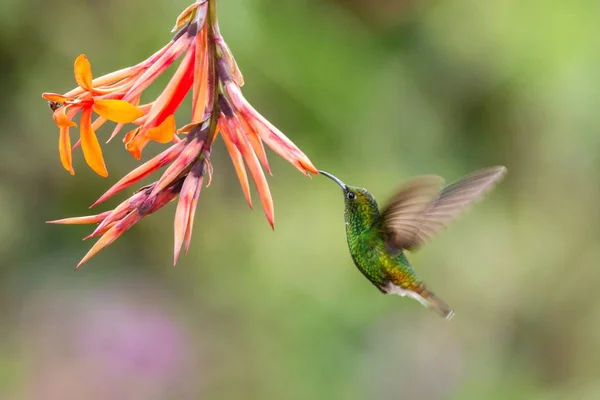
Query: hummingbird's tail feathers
x=424, y=296
x=438, y=305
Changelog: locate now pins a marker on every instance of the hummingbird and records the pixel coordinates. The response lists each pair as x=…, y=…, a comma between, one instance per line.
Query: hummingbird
x=378, y=238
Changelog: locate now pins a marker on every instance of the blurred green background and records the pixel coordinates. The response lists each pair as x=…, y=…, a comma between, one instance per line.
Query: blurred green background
x=374, y=92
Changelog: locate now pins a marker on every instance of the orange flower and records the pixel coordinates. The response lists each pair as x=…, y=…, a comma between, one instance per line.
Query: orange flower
x=209, y=70
x=91, y=100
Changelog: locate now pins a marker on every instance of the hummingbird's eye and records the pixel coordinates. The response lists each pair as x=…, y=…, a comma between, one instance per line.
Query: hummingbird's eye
x=351, y=195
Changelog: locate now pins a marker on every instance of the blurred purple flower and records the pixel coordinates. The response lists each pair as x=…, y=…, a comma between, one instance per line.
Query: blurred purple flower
x=110, y=344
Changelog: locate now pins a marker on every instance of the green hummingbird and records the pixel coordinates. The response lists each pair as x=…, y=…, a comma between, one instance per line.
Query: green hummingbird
x=420, y=209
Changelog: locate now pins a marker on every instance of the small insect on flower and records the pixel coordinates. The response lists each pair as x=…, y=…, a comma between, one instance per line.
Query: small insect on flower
x=209, y=70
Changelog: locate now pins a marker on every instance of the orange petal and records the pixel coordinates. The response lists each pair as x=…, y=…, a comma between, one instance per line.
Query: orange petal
x=280, y=144
x=135, y=149
x=91, y=219
x=268, y=133
x=256, y=143
x=61, y=118
x=59, y=98
x=182, y=214
x=164, y=158
x=89, y=143
x=83, y=72
x=186, y=157
x=119, y=111
x=200, y=84
x=175, y=91
x=159, y=64
x=64, y=149
x=122, y=210
x=130, y=135
x=190, y=224
x=111, y=235
x=257, y=175
x=108, y=79
x=236, y=158
x=164, y=132
x=99, y=232
x=188, y=200
x=136, y=145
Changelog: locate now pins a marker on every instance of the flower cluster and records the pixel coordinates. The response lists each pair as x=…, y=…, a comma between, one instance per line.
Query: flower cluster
x=209, y=70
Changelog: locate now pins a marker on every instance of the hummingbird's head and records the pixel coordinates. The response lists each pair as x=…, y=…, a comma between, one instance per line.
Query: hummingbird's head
x=356, y=199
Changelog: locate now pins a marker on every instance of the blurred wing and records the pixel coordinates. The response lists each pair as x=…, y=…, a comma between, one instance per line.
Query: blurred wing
x=401, y=217
x=451, y=202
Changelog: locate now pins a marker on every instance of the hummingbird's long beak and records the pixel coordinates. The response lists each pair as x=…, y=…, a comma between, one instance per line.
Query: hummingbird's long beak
x=333, y=178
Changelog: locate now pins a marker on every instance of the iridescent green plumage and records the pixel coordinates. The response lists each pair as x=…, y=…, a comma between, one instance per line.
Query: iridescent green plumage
x=377, y=239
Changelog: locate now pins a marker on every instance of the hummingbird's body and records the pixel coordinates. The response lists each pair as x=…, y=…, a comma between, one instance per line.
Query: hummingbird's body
x=377, y=239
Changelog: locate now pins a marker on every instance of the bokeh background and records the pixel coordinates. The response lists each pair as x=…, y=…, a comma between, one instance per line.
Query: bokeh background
x=375, y=92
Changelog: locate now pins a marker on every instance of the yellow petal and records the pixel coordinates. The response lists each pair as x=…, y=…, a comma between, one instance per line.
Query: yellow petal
x=119, y=111
x=64, y=149
x=83, y=72
x=164, y=132
x=89, y=144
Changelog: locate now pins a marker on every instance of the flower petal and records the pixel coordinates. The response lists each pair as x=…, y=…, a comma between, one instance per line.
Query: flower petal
x=182, y=214
x=165, y=132
x=236, y=159
x=122, y=210
x=135, y=102
x=59, y=98
x=256, y=143
x=183, y=161
x=164, y=158
x=186, y=16
x=184, y=130
x=193, y=206
x=64, y=149
x=111, y=235
x=159, y=64
x=62, y=119
x=200, y=84
x=89, y=144
x=255, y=171
x=268, y=133
x=176, y=90
x=91, y=219
x=236, y=74
x=83, y=72
x=136, y=145
x=99, y=232
x=119, y=111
